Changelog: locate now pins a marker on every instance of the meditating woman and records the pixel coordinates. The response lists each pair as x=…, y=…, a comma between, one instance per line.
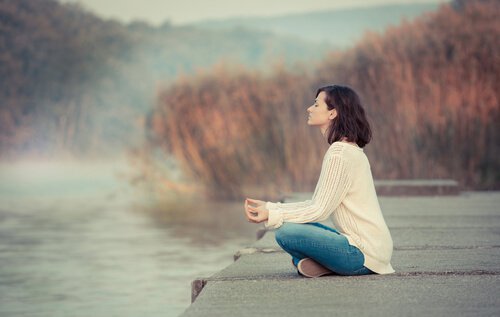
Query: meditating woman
x=361, y=242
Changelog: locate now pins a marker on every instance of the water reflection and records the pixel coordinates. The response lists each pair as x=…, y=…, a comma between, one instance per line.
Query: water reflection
x=203, y=222
x=103, y=252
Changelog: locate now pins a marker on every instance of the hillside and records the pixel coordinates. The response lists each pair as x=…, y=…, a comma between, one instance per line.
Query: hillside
x=339, y=28
x=74, y=84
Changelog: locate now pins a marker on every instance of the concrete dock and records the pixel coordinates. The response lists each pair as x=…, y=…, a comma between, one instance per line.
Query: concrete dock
x=446, y=257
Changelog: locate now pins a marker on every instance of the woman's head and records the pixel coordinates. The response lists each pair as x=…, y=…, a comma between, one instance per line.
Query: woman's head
x=339, y=113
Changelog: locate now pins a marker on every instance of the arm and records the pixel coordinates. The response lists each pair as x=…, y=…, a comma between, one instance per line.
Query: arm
x=332, y=187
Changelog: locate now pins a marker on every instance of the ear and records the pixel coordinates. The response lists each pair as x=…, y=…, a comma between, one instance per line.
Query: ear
x=333, y=114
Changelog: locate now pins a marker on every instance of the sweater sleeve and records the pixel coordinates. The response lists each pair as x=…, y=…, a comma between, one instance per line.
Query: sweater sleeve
x=331, y=189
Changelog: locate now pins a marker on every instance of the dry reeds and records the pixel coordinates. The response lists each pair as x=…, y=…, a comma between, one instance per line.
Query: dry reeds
x=231, y=131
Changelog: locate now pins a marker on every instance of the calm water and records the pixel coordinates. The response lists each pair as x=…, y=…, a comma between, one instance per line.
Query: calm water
x=74, y=241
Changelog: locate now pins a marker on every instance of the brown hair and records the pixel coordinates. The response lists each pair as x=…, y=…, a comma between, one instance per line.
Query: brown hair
x=350, y=121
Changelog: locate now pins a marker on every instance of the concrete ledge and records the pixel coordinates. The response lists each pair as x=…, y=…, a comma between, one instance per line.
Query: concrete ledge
x=469, y=295
x=446, y=255
x=403, y=187
x=416, y=187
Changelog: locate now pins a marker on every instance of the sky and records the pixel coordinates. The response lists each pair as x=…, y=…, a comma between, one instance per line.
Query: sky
x=179, y=12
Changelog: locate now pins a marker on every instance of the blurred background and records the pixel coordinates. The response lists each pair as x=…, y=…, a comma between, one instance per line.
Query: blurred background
x=131, y=132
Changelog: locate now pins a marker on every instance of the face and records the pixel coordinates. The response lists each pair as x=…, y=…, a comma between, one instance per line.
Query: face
x=319, y=115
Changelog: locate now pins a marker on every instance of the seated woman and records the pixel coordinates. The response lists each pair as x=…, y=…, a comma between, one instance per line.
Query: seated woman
x=361, y=242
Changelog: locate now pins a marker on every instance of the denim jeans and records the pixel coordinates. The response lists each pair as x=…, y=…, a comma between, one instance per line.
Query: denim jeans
x=324, y=245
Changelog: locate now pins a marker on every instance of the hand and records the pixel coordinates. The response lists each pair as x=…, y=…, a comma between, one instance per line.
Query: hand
x=257, y=213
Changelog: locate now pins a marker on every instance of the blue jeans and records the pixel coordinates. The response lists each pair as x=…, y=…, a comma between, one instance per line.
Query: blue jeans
x=324, y=245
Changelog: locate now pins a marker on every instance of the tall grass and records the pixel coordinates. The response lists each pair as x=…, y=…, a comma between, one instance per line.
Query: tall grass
x=430, y=89
x=237, y=131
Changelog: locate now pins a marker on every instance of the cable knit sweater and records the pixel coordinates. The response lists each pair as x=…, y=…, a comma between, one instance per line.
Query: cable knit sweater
x=345, y=192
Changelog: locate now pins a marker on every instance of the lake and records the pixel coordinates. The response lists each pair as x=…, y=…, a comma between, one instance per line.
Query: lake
x=75, y=240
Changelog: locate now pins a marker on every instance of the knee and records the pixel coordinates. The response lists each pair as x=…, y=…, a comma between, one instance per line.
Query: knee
x=287, y=231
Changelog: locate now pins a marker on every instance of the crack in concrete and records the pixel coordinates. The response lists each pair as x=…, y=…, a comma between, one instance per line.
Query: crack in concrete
x=446, y=247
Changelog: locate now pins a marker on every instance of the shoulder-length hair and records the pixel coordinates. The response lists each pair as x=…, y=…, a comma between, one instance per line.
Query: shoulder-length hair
x=350, y=121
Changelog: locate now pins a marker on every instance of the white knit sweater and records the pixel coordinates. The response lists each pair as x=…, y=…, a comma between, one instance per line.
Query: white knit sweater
x=346, y=193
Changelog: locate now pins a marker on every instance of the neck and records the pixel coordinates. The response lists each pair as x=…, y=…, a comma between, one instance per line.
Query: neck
x=343, y=139
x=323, y=131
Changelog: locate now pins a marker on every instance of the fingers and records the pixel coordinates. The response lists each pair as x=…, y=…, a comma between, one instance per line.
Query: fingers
x=247, y=212
x=256, y=201
x=252, y=213
x=249, y=215
x=255, y=214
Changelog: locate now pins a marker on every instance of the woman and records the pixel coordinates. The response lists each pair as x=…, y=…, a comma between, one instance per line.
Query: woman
x=361, y=243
